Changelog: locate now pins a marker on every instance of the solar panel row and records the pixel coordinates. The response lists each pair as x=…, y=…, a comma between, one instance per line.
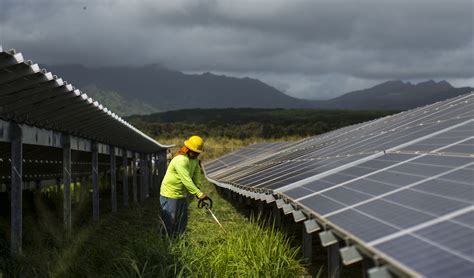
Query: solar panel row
x=402, y=186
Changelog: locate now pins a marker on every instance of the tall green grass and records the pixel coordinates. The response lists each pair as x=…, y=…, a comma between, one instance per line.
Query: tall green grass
x=250, y=247
x=132, y=243
x=251, y=250
x=218, y=146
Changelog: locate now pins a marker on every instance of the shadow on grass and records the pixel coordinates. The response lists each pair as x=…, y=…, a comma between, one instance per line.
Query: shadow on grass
x=131, y=243
x=126, y=244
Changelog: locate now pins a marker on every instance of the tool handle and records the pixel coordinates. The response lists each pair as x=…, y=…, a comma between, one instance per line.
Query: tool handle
x=203, y=203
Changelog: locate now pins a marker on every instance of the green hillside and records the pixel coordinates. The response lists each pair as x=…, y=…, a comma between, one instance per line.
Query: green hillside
x=117, y=103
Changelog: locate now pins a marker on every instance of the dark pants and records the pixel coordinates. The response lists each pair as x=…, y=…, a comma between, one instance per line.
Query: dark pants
x=174, y=213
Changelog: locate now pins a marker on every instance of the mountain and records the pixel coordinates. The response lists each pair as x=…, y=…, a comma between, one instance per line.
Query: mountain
x=153, y=87
x=117, y=103
x=166, y=89
x=397, y=95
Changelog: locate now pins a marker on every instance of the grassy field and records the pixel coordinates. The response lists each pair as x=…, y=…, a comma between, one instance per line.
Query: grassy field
x=131, y=243
x=218, y=146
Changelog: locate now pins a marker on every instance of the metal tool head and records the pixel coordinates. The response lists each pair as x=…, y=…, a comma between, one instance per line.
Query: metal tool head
x=204, y=204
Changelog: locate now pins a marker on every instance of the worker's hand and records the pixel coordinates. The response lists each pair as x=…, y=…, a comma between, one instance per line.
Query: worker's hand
x=204, y=197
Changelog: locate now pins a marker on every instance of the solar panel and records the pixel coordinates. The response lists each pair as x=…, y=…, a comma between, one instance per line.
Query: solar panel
x=402, y=185
x=33, y=96
x=243, y=154
x=356, y=144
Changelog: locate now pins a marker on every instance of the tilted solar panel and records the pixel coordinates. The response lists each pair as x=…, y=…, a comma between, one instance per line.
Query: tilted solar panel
x=243, y=154
x=401, y=186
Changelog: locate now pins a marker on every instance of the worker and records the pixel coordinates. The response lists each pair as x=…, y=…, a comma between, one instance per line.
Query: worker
x=182, y=179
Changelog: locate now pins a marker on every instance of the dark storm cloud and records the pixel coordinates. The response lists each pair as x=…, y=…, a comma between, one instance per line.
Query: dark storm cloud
x=314, y=43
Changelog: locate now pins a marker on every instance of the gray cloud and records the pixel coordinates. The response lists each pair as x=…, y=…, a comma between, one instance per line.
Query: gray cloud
x=308, y=48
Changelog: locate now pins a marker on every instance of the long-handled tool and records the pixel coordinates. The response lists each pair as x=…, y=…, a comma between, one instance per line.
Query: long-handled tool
x=208, y=206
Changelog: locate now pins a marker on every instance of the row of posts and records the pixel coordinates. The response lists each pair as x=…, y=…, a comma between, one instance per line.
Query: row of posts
x=307, y=245
x=149, y=176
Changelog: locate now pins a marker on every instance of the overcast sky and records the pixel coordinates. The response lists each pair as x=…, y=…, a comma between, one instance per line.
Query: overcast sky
x=306, y=48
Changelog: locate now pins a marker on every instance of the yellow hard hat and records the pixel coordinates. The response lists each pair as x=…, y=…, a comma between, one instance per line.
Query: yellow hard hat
x=195, y=144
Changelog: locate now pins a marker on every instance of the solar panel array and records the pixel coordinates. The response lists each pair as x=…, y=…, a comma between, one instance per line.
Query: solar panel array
x=52, y=133
x=243, y=154
x=33, y=96
x=49, y=108
x=401, y=186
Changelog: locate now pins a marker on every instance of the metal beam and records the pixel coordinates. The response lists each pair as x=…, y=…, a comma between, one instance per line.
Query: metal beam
x=134, y=177
x=16, y=189
x=67, y=181
x=125, y=178
x=113, y=174
x=307, y=247
x=95, y=181
x=143, y=177
x=334, y=261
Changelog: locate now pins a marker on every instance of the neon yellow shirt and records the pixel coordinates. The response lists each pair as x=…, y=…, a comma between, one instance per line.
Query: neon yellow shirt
x=183, y=176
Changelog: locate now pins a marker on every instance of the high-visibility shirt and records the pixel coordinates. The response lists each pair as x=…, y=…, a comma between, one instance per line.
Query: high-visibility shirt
x=183, y=176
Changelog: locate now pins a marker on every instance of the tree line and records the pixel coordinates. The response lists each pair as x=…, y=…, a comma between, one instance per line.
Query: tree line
x=247, y=122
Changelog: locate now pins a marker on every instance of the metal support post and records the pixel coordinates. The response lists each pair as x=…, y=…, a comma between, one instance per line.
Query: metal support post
x=276, y=215
x=95, y=182
x=334, y=261
x=113, y=180
x=134, y=177
x=259, y=206
x=16, y=189
x=367, y=263
x=76, y=189
x=58, y=186
x=147, y=167
x=37, y=185
x=83, y=190
x=162, y=167
x=156, y=177
x=150, y=173
x=125, y=178
x=67, y=181
x=106, y=180
x=307, y=247
x=143, y=178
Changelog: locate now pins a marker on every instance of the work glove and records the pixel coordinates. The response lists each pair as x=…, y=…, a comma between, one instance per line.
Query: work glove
x=202, y=201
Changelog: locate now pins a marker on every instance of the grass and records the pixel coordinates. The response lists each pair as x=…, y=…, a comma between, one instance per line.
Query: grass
x=248, y=248
x=218, y=146
x=131, y=243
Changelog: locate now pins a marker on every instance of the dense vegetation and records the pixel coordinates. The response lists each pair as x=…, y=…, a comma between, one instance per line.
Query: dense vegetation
x=248, y=123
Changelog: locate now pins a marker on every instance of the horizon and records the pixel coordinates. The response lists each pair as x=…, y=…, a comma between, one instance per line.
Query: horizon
x=408, y=82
